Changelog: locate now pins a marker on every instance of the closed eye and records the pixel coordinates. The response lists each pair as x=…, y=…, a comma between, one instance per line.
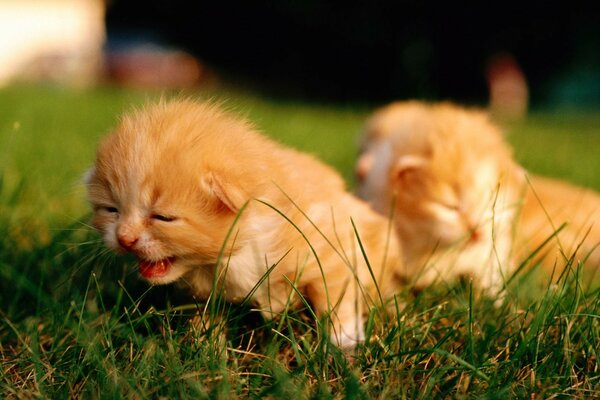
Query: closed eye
x=163, y=218
x=109, y=209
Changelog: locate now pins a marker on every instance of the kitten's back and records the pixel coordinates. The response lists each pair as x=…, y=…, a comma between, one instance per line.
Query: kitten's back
x=549, y=203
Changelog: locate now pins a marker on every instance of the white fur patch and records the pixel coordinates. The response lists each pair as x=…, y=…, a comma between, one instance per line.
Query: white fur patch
x=246, y=268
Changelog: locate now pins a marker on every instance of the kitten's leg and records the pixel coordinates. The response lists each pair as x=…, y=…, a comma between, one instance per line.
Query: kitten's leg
x=348, y=325
x=345, y=309
x=500, y=267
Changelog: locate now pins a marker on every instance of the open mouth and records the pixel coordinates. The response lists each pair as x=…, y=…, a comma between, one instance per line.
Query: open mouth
x=155, y=269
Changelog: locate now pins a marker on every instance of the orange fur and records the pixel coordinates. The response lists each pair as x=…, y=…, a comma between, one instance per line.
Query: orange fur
x=167, y=186
x=442, y=190
x=452, y=180
x=548, y=204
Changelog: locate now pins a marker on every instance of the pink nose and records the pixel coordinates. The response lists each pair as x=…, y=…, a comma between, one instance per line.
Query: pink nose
x=475, y=235
x=127, y=242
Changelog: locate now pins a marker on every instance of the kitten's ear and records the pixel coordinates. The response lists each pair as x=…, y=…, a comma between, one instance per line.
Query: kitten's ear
x=408, y=164
x=230, y=197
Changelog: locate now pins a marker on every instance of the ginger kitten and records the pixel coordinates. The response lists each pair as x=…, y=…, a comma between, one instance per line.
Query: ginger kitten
x=462, y=205
x=453, y=187
x=169, y=182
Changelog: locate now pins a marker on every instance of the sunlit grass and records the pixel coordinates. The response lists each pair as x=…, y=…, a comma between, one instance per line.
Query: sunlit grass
x=75, y=321
x=562, y=144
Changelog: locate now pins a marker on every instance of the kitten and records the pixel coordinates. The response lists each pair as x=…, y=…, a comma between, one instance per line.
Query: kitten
x=462, y=205
x=448, y=178
x=168, y=184
x=549, y=203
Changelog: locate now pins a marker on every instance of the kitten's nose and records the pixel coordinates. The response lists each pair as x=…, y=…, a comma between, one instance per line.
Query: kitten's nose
x=126, y=241
x=475, y=235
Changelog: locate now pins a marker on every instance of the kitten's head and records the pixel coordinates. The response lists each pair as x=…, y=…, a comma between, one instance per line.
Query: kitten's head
x=166, y=186
x=445, y=170
x=393, y=119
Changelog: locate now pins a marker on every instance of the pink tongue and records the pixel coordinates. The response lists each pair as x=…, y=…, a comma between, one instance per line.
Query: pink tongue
x=154, y=269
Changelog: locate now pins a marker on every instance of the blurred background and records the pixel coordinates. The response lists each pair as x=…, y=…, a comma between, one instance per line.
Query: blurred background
x=305, y=72
x=540, y=53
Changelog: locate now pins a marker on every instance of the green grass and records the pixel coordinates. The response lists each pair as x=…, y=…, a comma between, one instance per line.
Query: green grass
x=561, y=144
x=76, y=322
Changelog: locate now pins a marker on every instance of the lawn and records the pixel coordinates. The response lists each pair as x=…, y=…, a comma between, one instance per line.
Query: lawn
x=76, y=322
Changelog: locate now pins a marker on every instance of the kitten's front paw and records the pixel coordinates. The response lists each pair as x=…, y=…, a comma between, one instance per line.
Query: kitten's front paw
x=349, y=333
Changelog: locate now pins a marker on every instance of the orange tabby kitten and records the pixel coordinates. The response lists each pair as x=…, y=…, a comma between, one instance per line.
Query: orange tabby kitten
x=453, y=186
x=451, y=174
x=167, y=186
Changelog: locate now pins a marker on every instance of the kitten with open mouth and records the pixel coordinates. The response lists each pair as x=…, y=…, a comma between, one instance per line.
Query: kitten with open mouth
x=198, y=195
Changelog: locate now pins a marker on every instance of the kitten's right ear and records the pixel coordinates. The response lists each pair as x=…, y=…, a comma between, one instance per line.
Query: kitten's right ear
x=228, y=195
x=408, y=164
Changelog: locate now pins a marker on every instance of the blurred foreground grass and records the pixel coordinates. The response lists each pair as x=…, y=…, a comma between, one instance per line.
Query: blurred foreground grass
x=75, y=323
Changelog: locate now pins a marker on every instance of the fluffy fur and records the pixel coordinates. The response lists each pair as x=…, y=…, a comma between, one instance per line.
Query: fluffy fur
x=548, y=204
x=167, y=186
x=449, y=179
x=461, y=204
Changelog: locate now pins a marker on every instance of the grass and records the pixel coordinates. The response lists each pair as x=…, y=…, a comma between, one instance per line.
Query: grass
x=76, y=322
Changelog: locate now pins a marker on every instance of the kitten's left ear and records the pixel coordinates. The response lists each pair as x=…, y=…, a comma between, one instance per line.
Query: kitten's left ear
x=229, y=196
x=408, y=163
